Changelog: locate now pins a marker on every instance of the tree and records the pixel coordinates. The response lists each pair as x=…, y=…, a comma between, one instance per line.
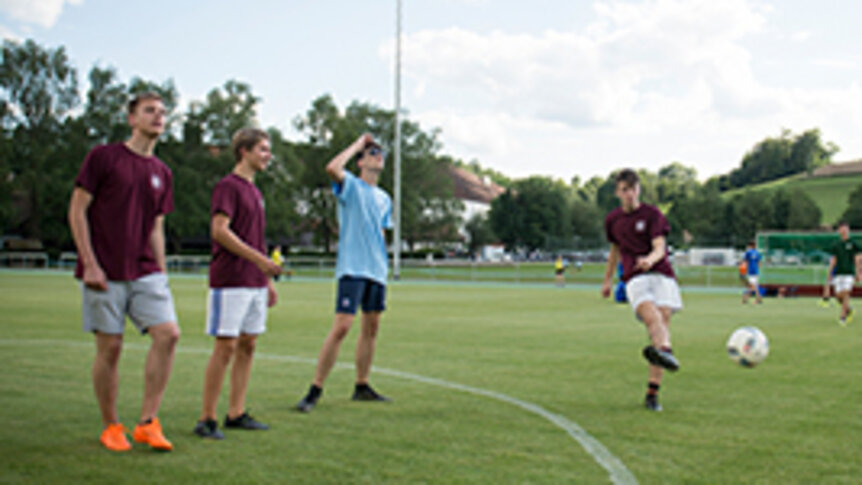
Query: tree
x=587, y=223
x=853, y=214
x=506, y=219
x=479, y=233
x=778, y=157
x=533, y=214
x=699, y=218
x=104, y=113
x=748, y=213
x=809, y=153
x=39, y=89
x=226, y=110
x=676, y=181
x=39, y=85
x=794, y=210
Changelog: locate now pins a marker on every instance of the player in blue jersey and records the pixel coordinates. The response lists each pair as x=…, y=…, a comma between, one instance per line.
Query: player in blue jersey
x=364, y=213
x=752, y=259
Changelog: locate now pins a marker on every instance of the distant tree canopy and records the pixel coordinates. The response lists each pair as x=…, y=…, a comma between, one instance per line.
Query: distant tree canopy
x=44, y=142
x=778, y=157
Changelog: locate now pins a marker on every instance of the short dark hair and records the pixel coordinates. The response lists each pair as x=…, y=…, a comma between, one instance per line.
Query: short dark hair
x=370, y=144
x=246, y=139
x=138, y=97
x=843, y=223
x=627, y=176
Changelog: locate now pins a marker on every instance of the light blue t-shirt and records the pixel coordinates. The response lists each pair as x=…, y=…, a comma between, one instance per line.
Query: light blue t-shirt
x=752, y=259
x=364, y=211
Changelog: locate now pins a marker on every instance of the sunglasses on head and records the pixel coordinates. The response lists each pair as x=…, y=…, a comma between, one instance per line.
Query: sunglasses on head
x=374, y=151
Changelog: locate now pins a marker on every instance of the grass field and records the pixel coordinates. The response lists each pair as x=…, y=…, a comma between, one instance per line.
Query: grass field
x=591, y=274
x=795, y=419
x=830, y=193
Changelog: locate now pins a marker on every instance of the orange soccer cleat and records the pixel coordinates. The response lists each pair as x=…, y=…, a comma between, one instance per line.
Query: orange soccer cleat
x=114, y=438
x=151, y=434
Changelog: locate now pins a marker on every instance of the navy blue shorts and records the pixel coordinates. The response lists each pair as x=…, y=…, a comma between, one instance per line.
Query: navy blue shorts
x=355, y=291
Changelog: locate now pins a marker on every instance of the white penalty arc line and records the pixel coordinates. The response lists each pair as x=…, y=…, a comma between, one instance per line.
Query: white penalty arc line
x=617, y=471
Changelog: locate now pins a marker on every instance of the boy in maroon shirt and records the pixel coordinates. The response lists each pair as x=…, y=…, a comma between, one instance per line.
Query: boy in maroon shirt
x=637, y=233
x=240, y=287
x=116, y=215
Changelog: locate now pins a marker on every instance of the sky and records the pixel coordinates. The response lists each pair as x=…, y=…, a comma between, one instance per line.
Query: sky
x=548, y=87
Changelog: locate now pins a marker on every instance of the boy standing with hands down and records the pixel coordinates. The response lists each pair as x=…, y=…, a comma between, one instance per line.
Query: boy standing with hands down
x=364, y=212
x=240, y=284
x=116, y=215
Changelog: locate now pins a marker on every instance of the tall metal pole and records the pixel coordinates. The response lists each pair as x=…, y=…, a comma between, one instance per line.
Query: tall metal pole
x=396, y=269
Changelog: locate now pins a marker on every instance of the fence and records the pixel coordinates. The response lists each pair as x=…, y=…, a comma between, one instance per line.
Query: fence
x=465, y=271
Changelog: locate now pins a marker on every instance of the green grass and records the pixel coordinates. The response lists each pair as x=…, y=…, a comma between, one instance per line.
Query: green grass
x=829, y=193
x=795, y=419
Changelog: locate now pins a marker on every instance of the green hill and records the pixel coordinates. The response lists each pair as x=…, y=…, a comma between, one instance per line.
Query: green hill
x=830, y=193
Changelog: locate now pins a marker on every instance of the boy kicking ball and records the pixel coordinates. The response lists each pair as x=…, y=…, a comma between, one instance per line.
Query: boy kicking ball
x=637, y=235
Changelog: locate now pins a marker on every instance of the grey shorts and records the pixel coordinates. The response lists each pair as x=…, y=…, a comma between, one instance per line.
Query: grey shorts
x=147, y=301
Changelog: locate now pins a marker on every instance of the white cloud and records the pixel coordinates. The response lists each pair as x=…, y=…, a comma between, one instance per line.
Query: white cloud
x=41, y=12
x=643, y=83
x=845, y=64
x=9, y=34
x=801, y=36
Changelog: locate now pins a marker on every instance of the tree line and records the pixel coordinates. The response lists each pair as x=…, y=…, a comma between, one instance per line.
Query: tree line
x=47, y=129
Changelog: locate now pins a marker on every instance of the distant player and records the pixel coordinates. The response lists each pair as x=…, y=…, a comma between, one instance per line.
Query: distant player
x=364, y=211
x=560, y=272
x=637, y=233
x=752, y=259
x=277, y=258
x=240, y=287
x=846, y=264
x=116, y=215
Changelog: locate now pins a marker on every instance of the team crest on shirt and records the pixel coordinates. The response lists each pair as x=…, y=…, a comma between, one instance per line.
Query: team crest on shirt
x=640, y=225
x=156, y=182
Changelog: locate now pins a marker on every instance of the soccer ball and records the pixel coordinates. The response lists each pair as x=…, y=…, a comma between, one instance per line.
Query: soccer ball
x=748, y=346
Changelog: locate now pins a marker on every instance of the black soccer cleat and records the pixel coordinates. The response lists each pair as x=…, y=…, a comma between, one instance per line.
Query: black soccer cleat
x=661, y=358
x=364, y=392
x=208, y=428
x=651, y=403
x=307, y=403
x=244, y=421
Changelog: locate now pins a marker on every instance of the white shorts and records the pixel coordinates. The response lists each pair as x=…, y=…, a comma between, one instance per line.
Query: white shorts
x=147, y=301
x=235, y=311
x=843, y=283
x=654, y=287
x=752, y=280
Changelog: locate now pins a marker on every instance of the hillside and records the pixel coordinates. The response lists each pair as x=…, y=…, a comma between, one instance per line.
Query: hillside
x=830, y=193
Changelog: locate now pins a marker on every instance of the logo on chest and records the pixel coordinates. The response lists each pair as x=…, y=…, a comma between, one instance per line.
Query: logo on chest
x=156, y=182
x=640, y=226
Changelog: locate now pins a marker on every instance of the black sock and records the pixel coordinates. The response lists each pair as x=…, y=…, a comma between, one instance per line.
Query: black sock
x=314, y=392
x=362, y=387
x=652, y=389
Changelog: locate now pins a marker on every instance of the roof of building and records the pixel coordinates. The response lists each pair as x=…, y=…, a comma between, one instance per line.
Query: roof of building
x=845, y=168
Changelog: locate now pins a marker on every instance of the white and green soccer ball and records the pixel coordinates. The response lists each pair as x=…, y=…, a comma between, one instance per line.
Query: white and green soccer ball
x=748, y=346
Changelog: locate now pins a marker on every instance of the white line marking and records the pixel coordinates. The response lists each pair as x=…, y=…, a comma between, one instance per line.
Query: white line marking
x=617, y=471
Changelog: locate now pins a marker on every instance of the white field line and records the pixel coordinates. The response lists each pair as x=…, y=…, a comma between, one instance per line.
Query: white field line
x=617, y=471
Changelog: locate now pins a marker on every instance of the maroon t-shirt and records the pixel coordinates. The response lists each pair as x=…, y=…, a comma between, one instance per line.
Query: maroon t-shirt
x=633, y=233
x=242, y=203
x=129, y=191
